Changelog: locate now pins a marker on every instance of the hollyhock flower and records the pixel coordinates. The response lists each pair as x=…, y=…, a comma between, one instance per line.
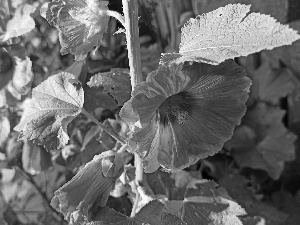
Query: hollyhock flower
x=81, y=24
x=184, y=113
x=89, y=188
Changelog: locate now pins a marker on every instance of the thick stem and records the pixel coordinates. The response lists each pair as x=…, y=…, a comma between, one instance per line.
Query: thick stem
x=99, y=124
x=130, y=9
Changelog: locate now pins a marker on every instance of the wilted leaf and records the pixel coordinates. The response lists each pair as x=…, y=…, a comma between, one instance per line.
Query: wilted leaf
x=116, y=82
x=55, y=103
x=35, y=158
x=149, y=214
x=206, y=203
x=229, y=32
x=4, y=129
x=263, y=142
x=20, y=24
x=81, y=24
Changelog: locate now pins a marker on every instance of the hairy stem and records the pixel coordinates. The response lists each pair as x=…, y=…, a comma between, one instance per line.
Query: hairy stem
x=117, y=16
x=130, y=9
x=99, y=124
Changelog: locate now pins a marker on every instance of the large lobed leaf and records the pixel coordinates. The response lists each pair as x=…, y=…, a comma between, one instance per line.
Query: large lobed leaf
x=229, y=32
x=54, y=104
x=263, y=142
x=206, y=203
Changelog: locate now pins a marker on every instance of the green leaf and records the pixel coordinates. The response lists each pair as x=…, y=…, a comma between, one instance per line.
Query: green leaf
x=149, y=214
x=7, y=66
x=170, y=219
x=263, y=142
x=229, y=32
x=4, y=15
x=116, y=82
x=54, y=104
x=81, y=24
x=20, y=24
x=206, y=203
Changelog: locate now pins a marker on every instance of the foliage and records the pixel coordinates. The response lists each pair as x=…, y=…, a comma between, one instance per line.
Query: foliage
x=206, y=134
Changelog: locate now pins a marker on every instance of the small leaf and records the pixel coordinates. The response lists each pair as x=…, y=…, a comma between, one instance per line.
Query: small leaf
x=206, y=203
x=20, y=24
x=229, y=32
x=116, y=82
x=81, y=24
x=55, y=103
x=4, y=129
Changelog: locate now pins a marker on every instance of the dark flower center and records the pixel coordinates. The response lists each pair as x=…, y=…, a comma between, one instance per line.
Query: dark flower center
x=176, y=108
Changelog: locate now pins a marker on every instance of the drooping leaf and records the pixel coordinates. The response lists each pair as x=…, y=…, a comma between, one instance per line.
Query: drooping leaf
x=81, y=24
x=79, y=198
x=20, y=24
x=35, y=158
x=229, y=32
x=55, y=103
x=206, y=203
x=149, y=214
x=4, y=129
x=263, y=142
x=116, y=82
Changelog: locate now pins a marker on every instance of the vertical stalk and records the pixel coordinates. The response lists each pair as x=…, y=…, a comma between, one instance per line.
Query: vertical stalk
x=130, y=9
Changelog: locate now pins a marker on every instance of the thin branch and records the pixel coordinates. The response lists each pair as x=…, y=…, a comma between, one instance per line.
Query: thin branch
x=99, y=124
